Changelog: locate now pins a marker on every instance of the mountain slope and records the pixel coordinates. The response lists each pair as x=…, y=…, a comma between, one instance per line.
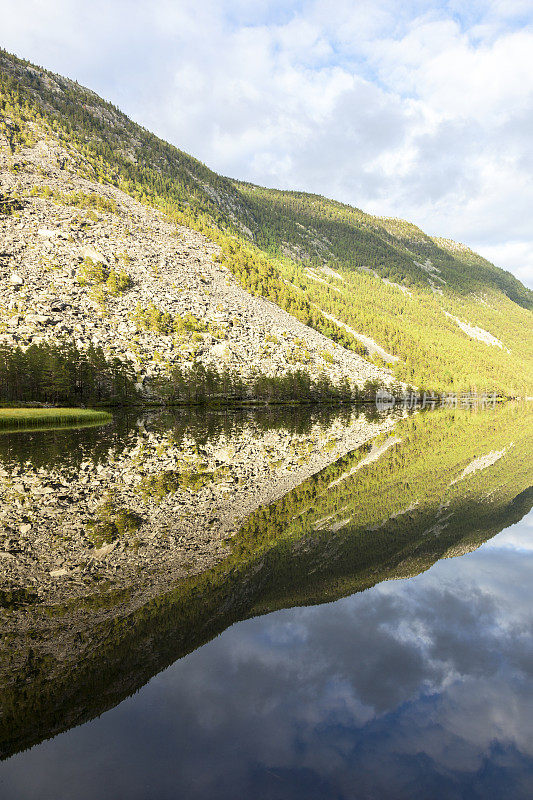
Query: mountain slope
x=433, y=311
x=88, y=264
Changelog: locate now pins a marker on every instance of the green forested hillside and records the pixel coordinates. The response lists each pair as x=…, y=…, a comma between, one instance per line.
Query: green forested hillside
x=438, y=314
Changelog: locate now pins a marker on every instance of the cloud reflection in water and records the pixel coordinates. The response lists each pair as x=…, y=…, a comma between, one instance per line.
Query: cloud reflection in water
x=417, y=688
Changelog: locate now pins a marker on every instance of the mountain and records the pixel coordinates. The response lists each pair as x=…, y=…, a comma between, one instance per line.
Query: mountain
x=361, y=297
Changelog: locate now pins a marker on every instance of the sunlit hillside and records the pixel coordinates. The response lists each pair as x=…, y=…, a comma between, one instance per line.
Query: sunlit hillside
x=435, y=313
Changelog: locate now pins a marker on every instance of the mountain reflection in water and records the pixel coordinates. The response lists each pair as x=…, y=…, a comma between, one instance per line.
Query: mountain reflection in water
x=414, y=688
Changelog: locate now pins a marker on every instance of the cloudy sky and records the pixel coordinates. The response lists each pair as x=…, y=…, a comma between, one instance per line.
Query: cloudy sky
x=416, y=109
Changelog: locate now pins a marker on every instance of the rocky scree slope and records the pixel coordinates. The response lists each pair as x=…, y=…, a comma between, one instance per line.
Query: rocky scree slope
x=58, y=248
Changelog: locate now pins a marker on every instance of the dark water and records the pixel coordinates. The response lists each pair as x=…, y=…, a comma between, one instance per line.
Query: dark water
x=338, y=682
x=71, y=444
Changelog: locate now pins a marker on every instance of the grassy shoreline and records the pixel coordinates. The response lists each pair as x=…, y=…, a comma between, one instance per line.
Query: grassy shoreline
x=30, y=416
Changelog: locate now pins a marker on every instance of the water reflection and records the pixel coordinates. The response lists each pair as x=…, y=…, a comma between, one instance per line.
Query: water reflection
x=72, y=443
x=414, y=688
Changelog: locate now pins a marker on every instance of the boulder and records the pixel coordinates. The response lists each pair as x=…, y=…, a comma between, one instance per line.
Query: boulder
x=58, y=573
x=221, y=352
x=16, y=280
x=105, y=550
x=95, y=255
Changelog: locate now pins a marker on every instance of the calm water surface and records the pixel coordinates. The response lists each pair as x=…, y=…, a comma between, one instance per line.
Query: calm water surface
x=418, y=687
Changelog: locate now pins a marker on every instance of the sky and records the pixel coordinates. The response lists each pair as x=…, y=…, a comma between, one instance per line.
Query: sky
x=421, y=110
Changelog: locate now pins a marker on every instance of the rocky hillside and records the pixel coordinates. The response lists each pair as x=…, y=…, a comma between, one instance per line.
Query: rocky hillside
x=84, y=261
x=427, y=310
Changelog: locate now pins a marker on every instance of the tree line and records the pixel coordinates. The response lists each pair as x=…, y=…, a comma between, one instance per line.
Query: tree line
x=60, y=373
x=63, y=374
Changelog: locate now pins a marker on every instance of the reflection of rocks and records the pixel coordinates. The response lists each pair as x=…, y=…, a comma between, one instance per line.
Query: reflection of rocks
x=63, y=663
x=64, y=666
x=60, y=528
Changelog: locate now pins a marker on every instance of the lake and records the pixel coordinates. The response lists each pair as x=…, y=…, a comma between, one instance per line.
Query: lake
x=279, y=603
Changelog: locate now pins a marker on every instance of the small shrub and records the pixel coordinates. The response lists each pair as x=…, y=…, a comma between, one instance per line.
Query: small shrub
x=194, y=481
x=156, y=487
x=92, y=272
x=102, y=532
x=298, y=356
x=127, y=521
x=153, y=319
x=118, y=282
x=78, y=199
x=97, y=293
x=10, y=204
x=111, y=523
x=188, y=324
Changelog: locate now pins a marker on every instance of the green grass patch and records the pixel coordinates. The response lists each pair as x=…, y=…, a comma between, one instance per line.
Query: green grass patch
x=30, y=417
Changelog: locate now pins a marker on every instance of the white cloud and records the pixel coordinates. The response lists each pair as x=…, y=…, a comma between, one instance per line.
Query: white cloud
x=517, y=537
x=420, y=110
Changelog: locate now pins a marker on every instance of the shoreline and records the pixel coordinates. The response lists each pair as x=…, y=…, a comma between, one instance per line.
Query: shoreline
x=432, y=398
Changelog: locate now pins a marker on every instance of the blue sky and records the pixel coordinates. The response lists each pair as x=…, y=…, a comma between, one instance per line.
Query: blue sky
x=422, y=110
